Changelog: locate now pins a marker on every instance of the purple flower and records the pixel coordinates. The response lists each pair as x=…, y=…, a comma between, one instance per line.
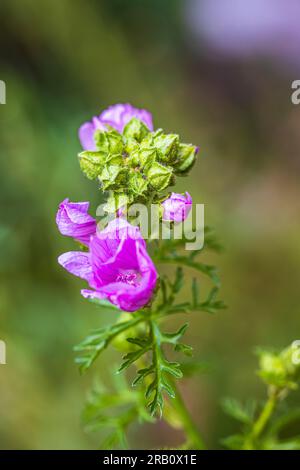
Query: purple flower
x=117, y=266
x=116, y=116
x=177, y=207
x=73, y=220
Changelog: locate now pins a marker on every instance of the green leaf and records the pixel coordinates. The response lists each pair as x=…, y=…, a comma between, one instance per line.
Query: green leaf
x=288, y=444
x=210, y=271
x=160, y=368
x=234, y=442
x=184, y=348
x=172, y=368
x=195, y=367
x=98, y=341
x=113, y=411
x=178, y=283
x=172, y=338
x=211, y=304
x=133, y=356
x=104, y=303
x=142, y=374
x=284, y=420
x=244, y=414
x=195, y=293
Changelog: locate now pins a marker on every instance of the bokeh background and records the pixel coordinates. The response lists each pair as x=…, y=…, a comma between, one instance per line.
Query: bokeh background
x=220, y=76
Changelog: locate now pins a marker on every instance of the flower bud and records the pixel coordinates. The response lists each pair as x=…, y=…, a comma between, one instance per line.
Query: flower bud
x=131, y=146
x=109, y=142
x=137, y=184
x=91, y=163
x=176, y=208
x=73, y=220
x=186, y=157
x=135, y=129
x=280, y=370
x=159, y=176
x=168, y=145
x=112, y=168
x=147, y=157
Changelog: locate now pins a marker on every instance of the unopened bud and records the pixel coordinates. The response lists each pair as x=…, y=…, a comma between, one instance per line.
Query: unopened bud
x=110, y=142
x=186, y=157
x=167, y=144
x=135, y=129
x=137, y=184
x=159, y=176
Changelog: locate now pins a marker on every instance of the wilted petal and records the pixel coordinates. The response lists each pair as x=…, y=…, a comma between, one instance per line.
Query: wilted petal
x=73, y=220
x=77, y=263
x=119, y=115
x=116, y=116
x=86, y=133
x=92, y=294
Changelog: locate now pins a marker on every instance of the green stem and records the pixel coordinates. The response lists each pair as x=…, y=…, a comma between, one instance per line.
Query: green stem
x=262, y=421
x=192, y=433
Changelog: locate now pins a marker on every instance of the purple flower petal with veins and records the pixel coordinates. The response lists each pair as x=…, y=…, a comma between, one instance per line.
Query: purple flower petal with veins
x=116, y=116
x=117, y=267
x=73, y=220
x=77, y=263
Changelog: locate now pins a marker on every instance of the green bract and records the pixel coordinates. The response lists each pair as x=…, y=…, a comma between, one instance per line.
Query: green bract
x=137, y=163
x=91, y=163
x=137, y=184
x=159, y=176
x=186, y=157
x=168, y=145
x=280, y=369
x=115, y=201
x=136, y=129
x=110, y=142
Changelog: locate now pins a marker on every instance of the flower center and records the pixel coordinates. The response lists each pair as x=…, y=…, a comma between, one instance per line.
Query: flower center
x=129, y=277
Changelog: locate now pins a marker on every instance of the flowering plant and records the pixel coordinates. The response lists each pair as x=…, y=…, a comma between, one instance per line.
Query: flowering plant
x=134, y=163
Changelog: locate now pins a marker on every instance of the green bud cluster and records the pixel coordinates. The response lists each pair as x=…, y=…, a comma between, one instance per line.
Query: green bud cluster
x=137, y=163
x=280, y=370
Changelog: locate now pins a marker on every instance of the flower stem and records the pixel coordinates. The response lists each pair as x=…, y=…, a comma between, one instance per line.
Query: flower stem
x=194, y=438
x=262, y=421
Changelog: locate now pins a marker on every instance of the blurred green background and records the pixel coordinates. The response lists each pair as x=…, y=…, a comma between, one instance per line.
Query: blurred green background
x=64, y=61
